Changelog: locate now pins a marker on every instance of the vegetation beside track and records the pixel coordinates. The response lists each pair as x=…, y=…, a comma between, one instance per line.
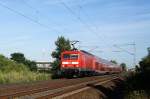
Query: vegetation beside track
x=62, y=44
x=14, y=72
x=138, y=82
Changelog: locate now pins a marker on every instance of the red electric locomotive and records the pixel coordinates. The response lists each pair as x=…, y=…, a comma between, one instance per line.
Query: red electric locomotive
x=81, y=63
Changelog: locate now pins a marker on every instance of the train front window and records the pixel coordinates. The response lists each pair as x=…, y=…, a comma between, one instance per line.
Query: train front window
x=70, y=56
x=74, y=56
x=66, y=56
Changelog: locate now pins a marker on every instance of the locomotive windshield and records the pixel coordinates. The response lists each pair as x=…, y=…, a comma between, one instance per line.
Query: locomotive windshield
x=70, y=56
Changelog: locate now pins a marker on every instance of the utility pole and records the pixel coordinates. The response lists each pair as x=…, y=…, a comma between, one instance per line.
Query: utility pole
x=134, y=54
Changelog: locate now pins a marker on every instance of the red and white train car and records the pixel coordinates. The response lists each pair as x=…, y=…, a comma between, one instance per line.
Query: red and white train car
x=82, y=63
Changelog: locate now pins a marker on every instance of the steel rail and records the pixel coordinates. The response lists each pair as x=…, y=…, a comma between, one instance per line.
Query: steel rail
x=43, y=91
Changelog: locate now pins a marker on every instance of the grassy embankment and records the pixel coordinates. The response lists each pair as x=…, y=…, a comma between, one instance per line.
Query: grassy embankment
x=13, y=72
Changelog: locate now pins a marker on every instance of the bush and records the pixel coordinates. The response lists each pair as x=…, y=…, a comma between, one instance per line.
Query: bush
x=137, y=95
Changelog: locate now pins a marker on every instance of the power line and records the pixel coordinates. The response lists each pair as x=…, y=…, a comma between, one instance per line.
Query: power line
x=123, y=50
x=27, y=17
x=126, y=44
x=80, y=20
x=131, y=53
x=88, y=17
x=39, y=12
x=84, y=23
x=30, y=6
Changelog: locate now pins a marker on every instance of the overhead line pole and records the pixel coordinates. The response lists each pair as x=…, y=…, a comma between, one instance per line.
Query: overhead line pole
x=134, y=47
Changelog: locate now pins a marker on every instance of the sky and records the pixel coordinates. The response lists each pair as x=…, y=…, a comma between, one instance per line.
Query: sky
x=32, y=26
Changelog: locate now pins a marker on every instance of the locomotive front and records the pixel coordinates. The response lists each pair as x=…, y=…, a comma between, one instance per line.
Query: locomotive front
x=70, y=59
x=70, y=63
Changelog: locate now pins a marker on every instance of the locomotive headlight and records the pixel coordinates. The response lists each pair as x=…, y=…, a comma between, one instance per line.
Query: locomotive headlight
x=65, y=62
x=75, y=62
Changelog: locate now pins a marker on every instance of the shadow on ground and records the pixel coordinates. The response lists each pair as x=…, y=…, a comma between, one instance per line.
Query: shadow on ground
x=113, y=90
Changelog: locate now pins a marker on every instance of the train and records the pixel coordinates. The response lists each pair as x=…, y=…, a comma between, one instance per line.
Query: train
x=80, y=63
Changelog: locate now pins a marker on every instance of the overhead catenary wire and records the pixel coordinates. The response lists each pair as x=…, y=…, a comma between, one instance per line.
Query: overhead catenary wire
x=122, y=50
x=103, y=36
x=38, y=12
x=131, y=53
x=30, y=6
x=87, y=26
x=27, y=17
x=74, y=14
x=88, y=17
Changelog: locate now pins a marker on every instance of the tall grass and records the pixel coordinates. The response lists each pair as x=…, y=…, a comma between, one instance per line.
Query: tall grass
x=20, y=77
x=12, y=72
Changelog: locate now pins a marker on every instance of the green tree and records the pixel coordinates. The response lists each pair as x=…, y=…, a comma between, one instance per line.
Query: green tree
x=31, y=65
x=20, y=58
x=148, y=51
x=62, y=44
x=141, y=79
x=124, y=66
x=113, y=61
x=145, y=64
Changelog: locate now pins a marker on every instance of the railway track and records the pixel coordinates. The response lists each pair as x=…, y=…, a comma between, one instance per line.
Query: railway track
x=52, y=89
